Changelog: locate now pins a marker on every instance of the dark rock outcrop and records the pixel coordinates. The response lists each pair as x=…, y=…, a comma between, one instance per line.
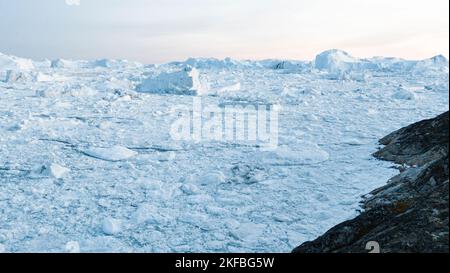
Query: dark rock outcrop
x=410, y=213
x=418, y=143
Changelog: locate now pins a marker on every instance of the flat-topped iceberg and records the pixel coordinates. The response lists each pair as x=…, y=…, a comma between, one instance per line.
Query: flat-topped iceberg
x=341, y=63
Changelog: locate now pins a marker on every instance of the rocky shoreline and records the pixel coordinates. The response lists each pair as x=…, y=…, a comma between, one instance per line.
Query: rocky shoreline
x=410, y=213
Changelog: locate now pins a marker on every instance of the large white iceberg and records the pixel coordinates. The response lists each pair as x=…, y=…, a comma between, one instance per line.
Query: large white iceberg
x=435, y=64
x=334, y=60
x=14, y=63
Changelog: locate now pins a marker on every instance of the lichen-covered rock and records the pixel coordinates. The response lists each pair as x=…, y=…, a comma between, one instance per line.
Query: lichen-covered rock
x=418, y=143
x=410, y=213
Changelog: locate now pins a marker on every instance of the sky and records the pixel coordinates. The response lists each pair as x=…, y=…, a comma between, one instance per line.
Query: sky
x=158, y=31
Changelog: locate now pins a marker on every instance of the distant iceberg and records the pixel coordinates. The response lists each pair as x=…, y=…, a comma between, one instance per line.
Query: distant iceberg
x=184, y=82
x=14, y=63
x=341, y=64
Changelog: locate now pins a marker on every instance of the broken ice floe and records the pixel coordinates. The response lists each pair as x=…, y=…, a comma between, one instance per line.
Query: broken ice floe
x=184, y=82
x=115, y=153
x=14, y=63
x=307, y=153
x=403, y=94
x=52, y=170
x=72, y=247
x=111, y=226
x=166, y=156
x=189, y=189
x=212, y=178
x=246, y=174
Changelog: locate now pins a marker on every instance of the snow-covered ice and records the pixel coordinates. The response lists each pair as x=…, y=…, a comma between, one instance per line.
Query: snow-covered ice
x=53, y=170
x=111, y=226
x=73, y=247
x=87, y=162
x=403, y=94
x=115, y=153
x=184, y=82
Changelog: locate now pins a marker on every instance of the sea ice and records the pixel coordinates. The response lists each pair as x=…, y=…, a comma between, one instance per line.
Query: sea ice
x=52, y=170
x=189, y=189
x=115, y=153
x=212, y=178
x=146, y=213
x=403, y=94
x=166, y=156
x=111, y=226
x=334, y=60
x=14, y=63
x=215, y=196
x=184, y=82
x=72, y=247
x=307, y=153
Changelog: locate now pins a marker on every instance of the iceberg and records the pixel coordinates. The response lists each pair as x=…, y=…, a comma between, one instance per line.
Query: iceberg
x=14, y=63
x=184, y=82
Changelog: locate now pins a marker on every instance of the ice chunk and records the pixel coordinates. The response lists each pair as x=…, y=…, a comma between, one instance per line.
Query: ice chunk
x=111, y=226
x=249, y=232
x=212, y=178
x=73, y=247
x=334, y=60
x=82, y=91
x=248, y=174
x=403, y=94
x=150, y=184
x=61, y=63
x=166, y=156
x=184, y=82
x=41, y=77
x=2, y=248
x=13, y=76
x=112, y=63
x=146, y=213
x=52, y=170
x=213, y=63
x=436, y=64
x=304, y=153
x=229, y=88
x=290, y=65
x=48, y=93
x=189, y=189
x=115, y=153
x=14, y=63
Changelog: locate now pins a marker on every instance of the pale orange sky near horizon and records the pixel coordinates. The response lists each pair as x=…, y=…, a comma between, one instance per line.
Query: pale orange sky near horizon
x=165, y=30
